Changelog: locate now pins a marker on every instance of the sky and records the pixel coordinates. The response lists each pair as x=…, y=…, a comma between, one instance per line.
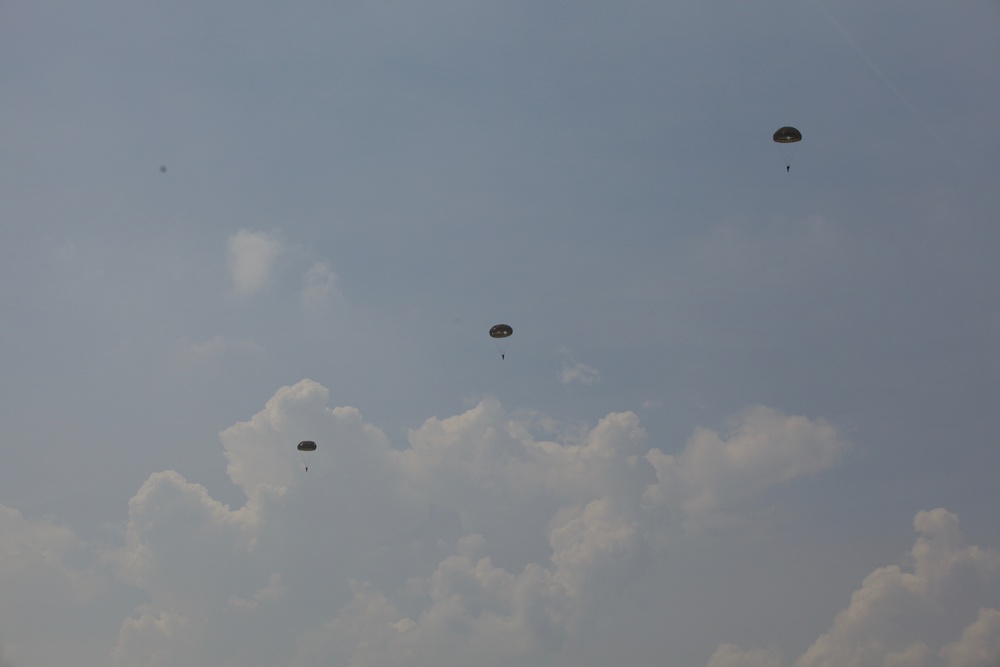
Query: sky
x=747, y=417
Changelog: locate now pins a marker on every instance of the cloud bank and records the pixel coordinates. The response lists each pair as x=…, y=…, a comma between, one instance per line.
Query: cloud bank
x=479, y=539
x=900, y=616
x=481, y=542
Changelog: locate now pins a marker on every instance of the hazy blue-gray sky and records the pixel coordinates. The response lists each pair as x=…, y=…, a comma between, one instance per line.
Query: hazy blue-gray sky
x=747, y=418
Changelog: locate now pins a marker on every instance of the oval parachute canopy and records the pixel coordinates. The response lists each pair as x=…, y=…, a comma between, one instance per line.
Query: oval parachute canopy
x=500, y=331
x=787, y=135
x=306, y=449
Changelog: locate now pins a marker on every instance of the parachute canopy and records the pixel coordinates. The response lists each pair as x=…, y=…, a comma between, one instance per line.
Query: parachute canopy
x=307, y=446
x=500, y=331
x=787, y=135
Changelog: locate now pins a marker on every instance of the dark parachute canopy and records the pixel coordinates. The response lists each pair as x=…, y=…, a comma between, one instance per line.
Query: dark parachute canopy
x=787, y=135
x=307, y=447
x=500, y=331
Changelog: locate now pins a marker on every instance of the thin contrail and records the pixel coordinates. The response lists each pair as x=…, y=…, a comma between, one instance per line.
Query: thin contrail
x=895, y=91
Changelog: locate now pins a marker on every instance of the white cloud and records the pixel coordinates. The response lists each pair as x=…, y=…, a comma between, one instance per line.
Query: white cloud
x=48, y=579
x=251, y=260
x=467, y=611
x=192, y=556
x=172, y=524
x=273, y=590
x=154, y=638
x=715, y=474
x=895, y=610
x=264, y=463
x=574, y=372
x=728, y=655
x=979, y=645
x=35, y=556
x=572, y=506
x=895, y=617
x=319, y=286
x=476, y=540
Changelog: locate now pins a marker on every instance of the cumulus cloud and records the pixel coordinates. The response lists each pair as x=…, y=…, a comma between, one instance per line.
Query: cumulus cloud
x=48, y=577
x=728, y=655
x=251, y=260
x=478, y=539
x=895, y=610
x=898, y=614
x=467, y=611
x=478, y=543
x=319, y=286
x=574, y=372
x=716, y=473
x=195, y=559
x=979, y=645
x=272, y=591
x=36, y=557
